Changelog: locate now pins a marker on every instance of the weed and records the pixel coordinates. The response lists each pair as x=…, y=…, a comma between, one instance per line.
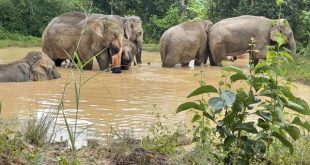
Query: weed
x=37, y=129
x=247, y=123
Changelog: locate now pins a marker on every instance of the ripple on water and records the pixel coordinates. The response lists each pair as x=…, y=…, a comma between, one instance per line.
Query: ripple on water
x=131, y=109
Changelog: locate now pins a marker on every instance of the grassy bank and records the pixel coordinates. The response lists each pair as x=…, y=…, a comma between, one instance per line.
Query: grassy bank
x=299, y=70
x=8, y=39
x=151, y=47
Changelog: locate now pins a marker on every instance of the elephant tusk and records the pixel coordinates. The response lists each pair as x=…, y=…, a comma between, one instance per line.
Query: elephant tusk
x=134, y=60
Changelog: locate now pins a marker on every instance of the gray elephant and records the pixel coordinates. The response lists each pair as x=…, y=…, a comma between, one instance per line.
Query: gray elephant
x=136, y=35
x=231, y=37
x=36, y=66
x=87, y=35
x=130, y=51
x=185, y=42
x=132, y=31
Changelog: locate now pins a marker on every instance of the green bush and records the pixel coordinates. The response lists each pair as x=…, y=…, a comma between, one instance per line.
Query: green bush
x=243, y=124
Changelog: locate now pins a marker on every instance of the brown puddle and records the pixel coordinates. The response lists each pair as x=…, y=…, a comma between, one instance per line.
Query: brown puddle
x=124, y=101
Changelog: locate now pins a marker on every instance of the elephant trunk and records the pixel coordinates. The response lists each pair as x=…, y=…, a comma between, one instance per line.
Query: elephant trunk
x=292, y=46
x=55, y=74
x=139, y=52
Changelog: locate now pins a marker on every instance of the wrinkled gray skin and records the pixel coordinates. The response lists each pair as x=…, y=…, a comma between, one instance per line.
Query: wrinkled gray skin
x=64, y=34
x=137, y=35
x=129, y=54
x=185, y=42
x=36, y=66
x=132, y=31
x=231, y=37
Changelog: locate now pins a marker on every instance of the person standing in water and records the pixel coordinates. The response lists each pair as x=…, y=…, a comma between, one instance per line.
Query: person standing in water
x=116, y=59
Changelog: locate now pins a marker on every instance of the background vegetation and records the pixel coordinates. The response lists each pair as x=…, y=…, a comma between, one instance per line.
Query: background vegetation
x=30, y=17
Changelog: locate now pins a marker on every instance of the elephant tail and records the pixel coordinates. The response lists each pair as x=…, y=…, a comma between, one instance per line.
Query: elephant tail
x=164, y=43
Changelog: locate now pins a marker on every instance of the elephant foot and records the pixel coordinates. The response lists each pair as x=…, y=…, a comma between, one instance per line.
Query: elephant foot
x=58, y=62
x=185, y=64
x=196, y=63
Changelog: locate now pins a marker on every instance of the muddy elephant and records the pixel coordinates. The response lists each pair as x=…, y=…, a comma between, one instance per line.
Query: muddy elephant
x=231, y=37
x=36, y=66
x=133, y=34
x=88, y=35
x=136, y=35
x=185, y=42
x=130, y=51
x=133, y=31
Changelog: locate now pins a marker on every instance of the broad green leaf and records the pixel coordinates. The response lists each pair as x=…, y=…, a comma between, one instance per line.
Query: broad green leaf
x=248, y=147
x=232, y=69
x=295, y=107
x=203, y=89
x=292, y=131
x=216, y=104
x=279, y=114
x=187, y=105
x=228, y=141
x=284, y=141
x=298, y=122
x=287, y=55
x=229, y=118
x=196, y=118
x=263, y=124
x=300, y=102
x=248, y=127
x=262, y=67
x=264, y=115
x=238, y=76
x=228, y=97
x=206, y=114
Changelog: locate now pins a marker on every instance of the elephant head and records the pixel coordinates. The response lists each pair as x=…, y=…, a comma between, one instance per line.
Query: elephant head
x=282, y=26
x=41, y=66
x=134, y=32
x=129, y=54
x=102, y=33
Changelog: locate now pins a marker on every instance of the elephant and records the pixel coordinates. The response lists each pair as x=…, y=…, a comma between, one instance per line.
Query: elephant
x=185, y=42
x=130, y=51
x=36, y=66
x=136, y=35
x=133, y=31
x=88, y=35
x=231, y=36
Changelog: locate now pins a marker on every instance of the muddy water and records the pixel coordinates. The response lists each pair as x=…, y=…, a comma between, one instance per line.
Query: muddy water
x=124, y=101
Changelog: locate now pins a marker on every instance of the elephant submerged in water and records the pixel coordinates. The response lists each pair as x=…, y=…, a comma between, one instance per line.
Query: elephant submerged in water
x=88, y=35
x=185, y=42
x=36, y=66
x=231, y=37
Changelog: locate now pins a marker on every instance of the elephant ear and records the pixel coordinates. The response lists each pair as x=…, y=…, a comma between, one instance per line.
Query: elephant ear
x=96, y=27
x=128, y=28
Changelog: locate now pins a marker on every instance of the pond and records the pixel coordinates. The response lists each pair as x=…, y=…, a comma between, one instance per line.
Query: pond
x=124, y=101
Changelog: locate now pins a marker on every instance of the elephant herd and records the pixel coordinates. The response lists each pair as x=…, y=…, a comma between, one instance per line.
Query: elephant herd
x=102, y=37
x=200, y=40
x=87, y=35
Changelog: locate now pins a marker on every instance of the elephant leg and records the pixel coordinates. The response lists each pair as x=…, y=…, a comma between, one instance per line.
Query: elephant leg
x=197, y=63
x=217, y=56
x=138, y=58
x=89, y=65
x=103, y=61
x=185, y=64
x=58, y=62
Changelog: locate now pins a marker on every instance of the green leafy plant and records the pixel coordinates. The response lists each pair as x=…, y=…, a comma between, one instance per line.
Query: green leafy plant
x=246, y=121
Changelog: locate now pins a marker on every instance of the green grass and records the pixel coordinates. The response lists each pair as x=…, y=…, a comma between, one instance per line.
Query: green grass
x=9, y=39
x=151, y=47
x=299, y=70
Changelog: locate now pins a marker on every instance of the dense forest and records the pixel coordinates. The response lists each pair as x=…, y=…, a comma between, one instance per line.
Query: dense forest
x=30, y=17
